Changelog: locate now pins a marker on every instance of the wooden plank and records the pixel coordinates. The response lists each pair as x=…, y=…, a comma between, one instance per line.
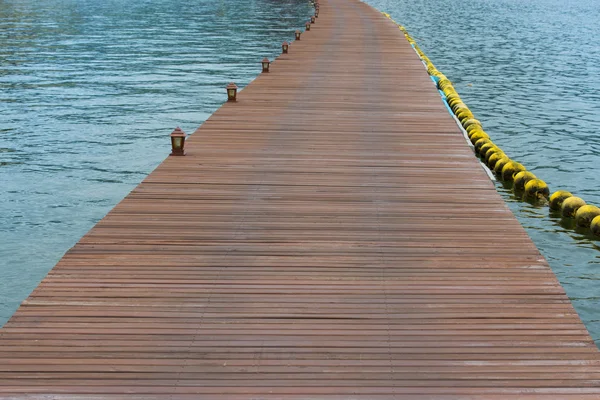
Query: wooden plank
x=330, y=235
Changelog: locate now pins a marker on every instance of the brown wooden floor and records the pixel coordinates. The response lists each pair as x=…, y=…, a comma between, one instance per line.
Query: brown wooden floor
x=330, y=236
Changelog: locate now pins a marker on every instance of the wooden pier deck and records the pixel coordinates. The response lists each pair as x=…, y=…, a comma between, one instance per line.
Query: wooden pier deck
x=329, y=236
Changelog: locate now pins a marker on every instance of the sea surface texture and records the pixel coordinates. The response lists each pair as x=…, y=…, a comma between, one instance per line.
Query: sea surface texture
x=90, y=90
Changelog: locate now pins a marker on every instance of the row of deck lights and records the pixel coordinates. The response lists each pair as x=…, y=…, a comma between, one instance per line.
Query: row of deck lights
x=178, y=136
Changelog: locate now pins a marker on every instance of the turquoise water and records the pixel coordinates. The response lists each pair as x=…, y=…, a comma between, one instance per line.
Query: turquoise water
x=90, y=90
x=529, y=71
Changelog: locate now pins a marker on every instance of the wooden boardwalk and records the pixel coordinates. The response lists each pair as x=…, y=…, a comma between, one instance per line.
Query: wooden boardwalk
x=329, y=236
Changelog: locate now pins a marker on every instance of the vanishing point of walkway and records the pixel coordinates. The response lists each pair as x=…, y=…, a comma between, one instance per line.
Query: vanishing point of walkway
x=329, y=236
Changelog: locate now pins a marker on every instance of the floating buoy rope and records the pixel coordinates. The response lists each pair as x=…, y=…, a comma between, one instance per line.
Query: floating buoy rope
x=524, y=182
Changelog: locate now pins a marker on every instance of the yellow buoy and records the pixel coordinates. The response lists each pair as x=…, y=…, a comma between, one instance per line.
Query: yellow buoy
x=510, y=170
x=521, y=178
x=449, y=89
x=478, y=135
x=585, y=215
x=595, y=226
x=571, y=205
x=459, y=106
x=494, y=158
x=452, y=98
x=480, y=143
x=446, y=88
x=491, y=151
x=443, y=82
x=557, y=199
x=464, y=115
x=485, y=148
x=461, y=109
x=473, y=129
x=536, y=189
x=449, y=92
x=500, y=164
x=470, y=122
x=452, y=102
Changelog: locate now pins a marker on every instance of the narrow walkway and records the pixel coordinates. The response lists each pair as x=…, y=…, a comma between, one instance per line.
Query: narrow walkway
x=329, y=236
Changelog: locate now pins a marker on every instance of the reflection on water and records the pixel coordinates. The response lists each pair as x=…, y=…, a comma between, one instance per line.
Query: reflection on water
x=528, y=71
x=89, y=92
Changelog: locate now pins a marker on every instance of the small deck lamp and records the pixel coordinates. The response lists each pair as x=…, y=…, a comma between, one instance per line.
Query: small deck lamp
x=284, y=47
x=177, y=142
x=232, y=92
x=265, y=65
x=298, y=33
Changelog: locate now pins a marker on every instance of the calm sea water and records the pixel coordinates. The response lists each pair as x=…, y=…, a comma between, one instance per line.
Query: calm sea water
x=90, y=90
x=529, y=71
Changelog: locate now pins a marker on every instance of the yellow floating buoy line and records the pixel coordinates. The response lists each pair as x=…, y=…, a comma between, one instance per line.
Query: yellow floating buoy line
x=524, y=182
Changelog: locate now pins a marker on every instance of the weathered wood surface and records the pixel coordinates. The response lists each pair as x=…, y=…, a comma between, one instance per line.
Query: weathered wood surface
x=329, y=236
